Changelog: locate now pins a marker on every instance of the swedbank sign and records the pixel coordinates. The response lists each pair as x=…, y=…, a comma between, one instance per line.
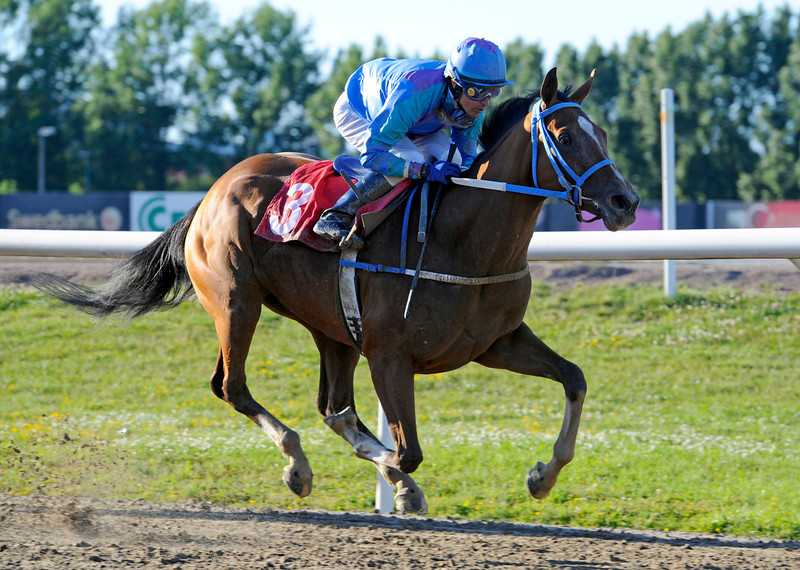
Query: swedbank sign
x=101, y=211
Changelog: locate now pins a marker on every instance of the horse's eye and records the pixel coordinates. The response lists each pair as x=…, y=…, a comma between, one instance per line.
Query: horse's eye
x=565, y=139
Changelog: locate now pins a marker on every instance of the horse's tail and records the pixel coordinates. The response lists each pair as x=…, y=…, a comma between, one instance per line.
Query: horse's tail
x=152, y=278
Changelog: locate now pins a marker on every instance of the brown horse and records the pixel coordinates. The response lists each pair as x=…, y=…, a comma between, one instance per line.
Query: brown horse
x=477, y=233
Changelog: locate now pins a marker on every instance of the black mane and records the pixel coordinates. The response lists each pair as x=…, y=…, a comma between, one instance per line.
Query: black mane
x=508, y=114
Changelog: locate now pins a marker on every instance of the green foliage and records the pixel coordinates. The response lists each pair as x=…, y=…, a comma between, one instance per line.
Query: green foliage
x=169, y=89
x=525, y=68
x=320, y=104
x=253, y=79
x=8, y=187
x=42, y=69
x=689, y=423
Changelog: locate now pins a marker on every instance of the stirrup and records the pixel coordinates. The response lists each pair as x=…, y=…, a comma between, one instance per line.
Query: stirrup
x=339, y=228
x=351, y=241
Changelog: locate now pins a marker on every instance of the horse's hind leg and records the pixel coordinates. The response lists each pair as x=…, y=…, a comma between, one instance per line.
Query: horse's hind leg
x=337, y=404
x=235, y=317
x=523, y=352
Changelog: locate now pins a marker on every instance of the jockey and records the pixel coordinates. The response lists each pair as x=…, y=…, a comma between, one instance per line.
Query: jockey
x=394, y=113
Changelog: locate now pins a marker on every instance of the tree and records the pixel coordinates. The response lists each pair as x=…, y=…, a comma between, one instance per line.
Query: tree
x=776, y=176
x=320, y=105
x=133, y=110
x=525, y=64
x=634, y=132
x=253, y=80
x=52, y=45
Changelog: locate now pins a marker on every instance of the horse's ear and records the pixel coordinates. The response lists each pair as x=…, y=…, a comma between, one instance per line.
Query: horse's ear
x=549, y=90
x=582, y=91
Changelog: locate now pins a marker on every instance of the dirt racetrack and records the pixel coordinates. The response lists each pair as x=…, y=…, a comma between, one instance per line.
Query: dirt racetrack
x=53, y=532
x=57, y=532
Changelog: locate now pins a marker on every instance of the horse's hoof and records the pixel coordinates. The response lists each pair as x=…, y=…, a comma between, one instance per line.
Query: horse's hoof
x=298, y=484
x=410, y=502
x=535, y=481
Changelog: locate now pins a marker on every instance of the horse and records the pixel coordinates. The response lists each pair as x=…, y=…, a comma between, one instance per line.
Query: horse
x=477, y=235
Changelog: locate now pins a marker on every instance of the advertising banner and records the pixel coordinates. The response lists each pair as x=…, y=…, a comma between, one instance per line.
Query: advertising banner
x=775, y=214
x=156, y=211
x=648, y=217
x=59, y=211
x=732, y=214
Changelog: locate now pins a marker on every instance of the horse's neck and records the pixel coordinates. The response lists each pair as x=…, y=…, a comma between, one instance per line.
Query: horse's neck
x=509, y=160
x=499, y=225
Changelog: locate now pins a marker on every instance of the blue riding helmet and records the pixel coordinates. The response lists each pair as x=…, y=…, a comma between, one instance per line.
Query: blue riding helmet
x=478, y=66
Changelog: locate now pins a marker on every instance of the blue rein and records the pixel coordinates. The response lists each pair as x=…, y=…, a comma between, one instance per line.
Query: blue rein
x=572, y=193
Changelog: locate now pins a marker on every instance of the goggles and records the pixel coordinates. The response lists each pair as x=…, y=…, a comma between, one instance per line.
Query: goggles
x=481, y=92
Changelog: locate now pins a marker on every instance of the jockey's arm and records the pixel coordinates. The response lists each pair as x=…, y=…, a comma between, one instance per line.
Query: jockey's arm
x=401, y=111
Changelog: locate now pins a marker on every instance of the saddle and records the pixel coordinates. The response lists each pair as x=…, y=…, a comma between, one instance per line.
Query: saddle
x=312, y=189
x=315, y=187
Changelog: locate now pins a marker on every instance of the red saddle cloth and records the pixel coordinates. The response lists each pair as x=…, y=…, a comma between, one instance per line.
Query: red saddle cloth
x=309, y=191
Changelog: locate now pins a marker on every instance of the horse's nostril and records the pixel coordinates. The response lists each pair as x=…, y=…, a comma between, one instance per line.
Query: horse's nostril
x=620, y=203
x=624, y=203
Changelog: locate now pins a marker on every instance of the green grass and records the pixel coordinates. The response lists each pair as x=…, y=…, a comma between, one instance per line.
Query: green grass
x=690, y=421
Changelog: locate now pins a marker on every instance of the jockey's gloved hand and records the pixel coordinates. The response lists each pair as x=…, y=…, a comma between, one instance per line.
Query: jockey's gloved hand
x=442, y=170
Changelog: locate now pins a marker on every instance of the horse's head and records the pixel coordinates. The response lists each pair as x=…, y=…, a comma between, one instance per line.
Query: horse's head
x=572, y=154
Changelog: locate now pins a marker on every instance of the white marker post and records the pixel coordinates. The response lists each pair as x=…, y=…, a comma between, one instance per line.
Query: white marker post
x=668, y=208
x=384, y=492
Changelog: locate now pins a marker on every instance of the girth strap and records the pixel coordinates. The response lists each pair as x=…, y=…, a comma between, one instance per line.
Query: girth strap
x=433, y=276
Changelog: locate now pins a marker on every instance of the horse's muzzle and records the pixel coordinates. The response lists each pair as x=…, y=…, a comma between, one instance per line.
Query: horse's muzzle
x=617, y=209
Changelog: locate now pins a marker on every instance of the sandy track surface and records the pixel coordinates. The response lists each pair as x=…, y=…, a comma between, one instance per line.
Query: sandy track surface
x=56, y=532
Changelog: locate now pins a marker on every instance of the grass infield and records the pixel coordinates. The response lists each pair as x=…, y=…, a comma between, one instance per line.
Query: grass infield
x=690, y=420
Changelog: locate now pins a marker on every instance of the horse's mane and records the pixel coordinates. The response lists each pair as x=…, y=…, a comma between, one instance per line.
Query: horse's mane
x=508, y=114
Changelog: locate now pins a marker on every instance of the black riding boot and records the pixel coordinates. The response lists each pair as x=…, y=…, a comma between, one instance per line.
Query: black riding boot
x=336, y=222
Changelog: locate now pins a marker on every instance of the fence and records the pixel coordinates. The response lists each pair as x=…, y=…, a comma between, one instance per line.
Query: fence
x=772, y=243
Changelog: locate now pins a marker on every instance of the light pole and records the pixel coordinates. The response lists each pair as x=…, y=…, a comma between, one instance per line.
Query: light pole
x=43, y=133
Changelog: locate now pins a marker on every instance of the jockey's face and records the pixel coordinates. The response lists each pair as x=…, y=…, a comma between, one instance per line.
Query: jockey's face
x=473, y=108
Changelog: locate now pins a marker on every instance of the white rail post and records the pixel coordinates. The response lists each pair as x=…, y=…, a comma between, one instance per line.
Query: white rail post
x=384, y=492
x=668, y=209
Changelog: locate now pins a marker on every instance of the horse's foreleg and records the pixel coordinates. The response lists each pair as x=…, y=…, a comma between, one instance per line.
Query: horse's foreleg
x=345, y=423
x=336, y=403
x=408, y=498
x=523, y=352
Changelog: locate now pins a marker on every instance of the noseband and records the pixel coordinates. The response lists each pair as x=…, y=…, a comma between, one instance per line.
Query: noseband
x=573, y=192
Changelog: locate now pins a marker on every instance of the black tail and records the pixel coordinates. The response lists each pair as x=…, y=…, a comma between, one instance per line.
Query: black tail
x=150, y=279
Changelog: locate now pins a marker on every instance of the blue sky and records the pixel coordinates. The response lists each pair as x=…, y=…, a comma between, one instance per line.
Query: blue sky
x=420, y=26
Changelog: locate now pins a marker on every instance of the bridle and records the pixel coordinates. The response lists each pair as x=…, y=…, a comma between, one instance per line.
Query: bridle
x=573, y=193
